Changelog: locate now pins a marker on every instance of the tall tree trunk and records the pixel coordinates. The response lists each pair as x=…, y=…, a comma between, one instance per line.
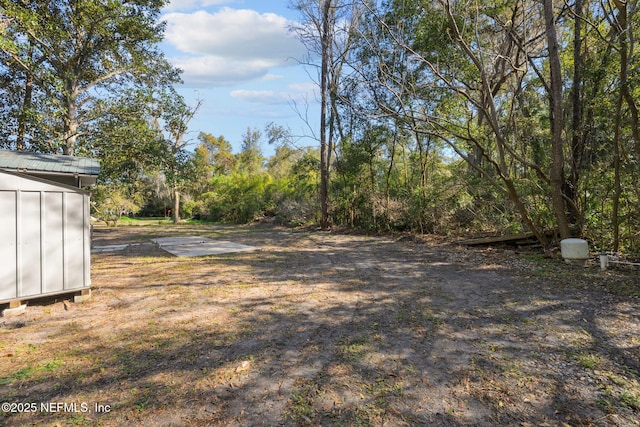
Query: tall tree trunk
x=71, y=137
x=71, y=120
x=325, y=153
x=555, y=97
x=622, y=27
x=623, y=33
x=24, y=113
x=577, y=123
x=176, y=206
x=625, y=30
x=617, y=187
x=26, y=105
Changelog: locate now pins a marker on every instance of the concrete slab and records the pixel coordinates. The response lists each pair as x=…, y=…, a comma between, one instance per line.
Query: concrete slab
x=112, y=248
x=192, y=246
x=180, y=240
x=108, y=248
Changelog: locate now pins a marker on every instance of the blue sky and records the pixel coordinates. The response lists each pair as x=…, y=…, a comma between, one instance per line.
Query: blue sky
x=241, y=60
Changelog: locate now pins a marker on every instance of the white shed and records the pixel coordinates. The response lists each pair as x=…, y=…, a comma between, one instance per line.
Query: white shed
x=45, y=230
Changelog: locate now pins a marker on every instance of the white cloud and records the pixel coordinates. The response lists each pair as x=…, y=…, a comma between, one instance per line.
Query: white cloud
x=309, y=87
x=193, y=4
x=270, y=77
x=262, y=96
x=218, y=71
x=232, y=33
x=240, y=43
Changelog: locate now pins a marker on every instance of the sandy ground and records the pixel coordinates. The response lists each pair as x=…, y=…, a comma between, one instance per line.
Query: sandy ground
x=326, y=329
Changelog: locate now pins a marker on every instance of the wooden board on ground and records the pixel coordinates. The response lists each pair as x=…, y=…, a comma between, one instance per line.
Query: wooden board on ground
x=511, y=239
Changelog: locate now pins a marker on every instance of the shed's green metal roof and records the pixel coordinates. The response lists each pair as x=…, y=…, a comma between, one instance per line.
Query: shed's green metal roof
x=25, y=161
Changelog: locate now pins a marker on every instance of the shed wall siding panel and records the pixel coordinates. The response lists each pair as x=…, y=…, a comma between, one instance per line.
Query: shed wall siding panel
x=53, y=243
x=74, y=252
x=8, y=276
x=29, y=248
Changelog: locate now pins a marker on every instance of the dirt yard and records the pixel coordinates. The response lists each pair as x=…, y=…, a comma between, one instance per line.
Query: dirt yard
x=327, y=329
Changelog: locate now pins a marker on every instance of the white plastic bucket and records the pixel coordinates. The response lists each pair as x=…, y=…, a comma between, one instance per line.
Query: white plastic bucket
x=574, y=250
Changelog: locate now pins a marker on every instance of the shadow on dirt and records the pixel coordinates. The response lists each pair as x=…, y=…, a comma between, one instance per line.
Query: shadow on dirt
x=347, y=330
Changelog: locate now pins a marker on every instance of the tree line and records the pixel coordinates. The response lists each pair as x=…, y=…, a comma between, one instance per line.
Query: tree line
x=449, y=117
x=518, y=115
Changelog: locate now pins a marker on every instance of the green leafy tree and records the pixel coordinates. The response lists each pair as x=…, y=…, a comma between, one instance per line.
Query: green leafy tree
x=70, y=54
x=110, y=203
x=250, y=158
x=327, y=28
x=123, y=138
x=202, y=170
x=171, y=117
x=219, y=152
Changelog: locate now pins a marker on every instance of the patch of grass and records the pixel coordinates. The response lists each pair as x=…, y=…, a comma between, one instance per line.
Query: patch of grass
x=137, y=222
x=629, y=391
x=242, y=285
x=590, y=361
x=428, y=315
x=514, y=369
x=616, y=281
x=625, y=287
x=384, y=387
x=630, y=399
x=76, y=420
x=535, y=258
x=353, y=349
x=625, y=397
x=50, y=366
x=545, y=272
x=621, y=393
x=377, y=398
x=23, y=373
x=26, y=349
x=301, y=407
x=606, y=405
x=31, y=371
